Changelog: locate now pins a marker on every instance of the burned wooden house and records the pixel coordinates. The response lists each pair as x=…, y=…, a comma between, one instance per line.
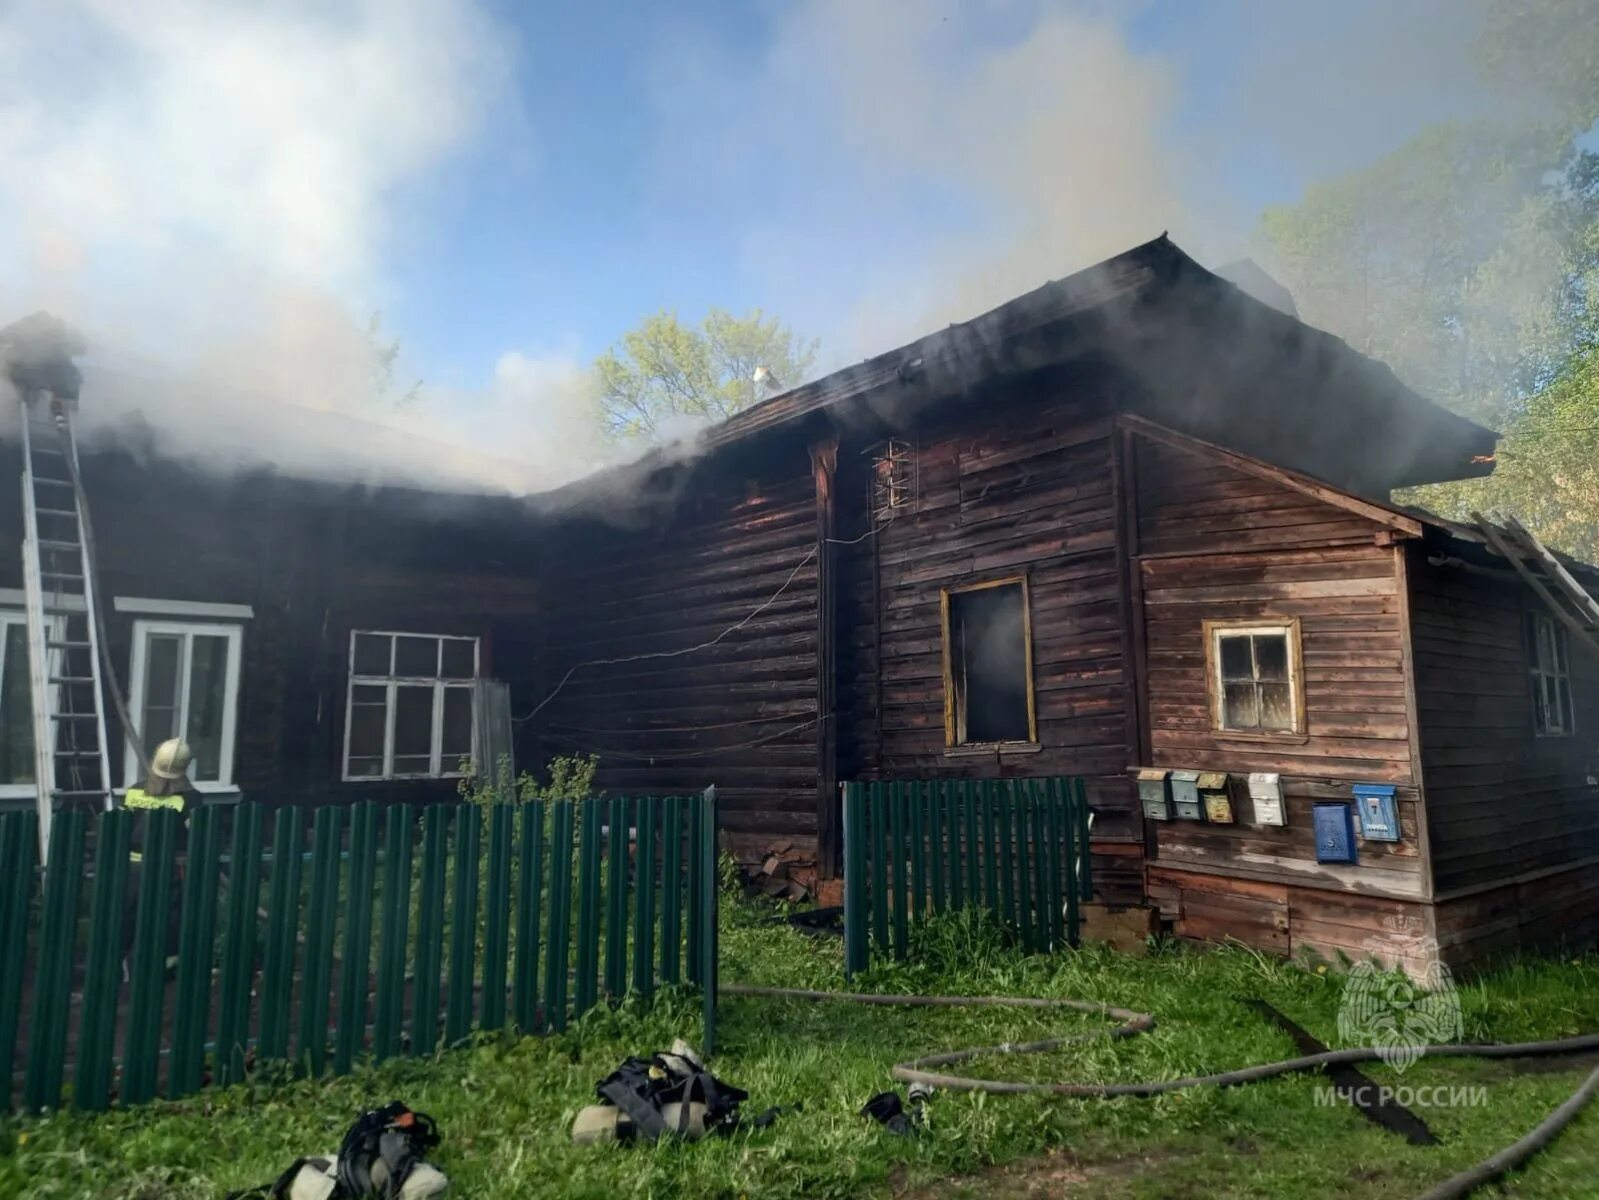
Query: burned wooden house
x=1135, y=525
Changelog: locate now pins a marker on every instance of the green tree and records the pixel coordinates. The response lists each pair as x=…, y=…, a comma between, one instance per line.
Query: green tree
x=665, y=371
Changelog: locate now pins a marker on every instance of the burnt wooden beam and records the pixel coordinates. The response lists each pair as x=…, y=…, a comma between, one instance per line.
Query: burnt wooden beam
x=1503, y=548
x=824, y=472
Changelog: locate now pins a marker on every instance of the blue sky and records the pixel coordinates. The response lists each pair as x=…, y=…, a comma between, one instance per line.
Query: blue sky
x=221, y=192
x=609, y=179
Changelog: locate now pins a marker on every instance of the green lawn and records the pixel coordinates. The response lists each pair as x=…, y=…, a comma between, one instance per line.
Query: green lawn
x=505, y=1107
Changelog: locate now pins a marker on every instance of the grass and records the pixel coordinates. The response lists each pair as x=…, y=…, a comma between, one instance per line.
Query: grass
x=505, y=1106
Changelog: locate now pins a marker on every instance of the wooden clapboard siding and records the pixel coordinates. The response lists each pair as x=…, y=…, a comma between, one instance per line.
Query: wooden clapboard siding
x=1501, y=800
x=1545, y=909
x=1028, y=491
x=1215, y=543
x=313, y=560
x=740, y=713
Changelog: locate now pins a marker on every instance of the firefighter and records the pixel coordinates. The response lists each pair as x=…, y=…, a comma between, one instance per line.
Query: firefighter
x=166, y=787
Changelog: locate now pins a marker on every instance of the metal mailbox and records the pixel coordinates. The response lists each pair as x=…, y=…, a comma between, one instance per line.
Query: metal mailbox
x=1335, y=832
x=1185, y=801
x=1266, y=797
x=1379, y=812
x=1215, y=798
x=1154, y=793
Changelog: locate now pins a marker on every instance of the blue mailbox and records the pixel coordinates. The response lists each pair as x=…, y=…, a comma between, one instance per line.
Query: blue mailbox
x=1335, y=832
x=1379, y=814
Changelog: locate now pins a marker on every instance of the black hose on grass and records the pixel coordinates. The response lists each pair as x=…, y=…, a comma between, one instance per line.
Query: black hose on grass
x=1133, y=1023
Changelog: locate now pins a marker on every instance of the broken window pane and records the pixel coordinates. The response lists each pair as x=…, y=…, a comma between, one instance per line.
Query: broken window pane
x=1235, y=658
x=372, y=653
x=416, y=657
x=988, y=665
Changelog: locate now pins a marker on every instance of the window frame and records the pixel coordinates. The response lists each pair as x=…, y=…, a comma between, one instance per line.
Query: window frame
x=143, y=627
x=53, y=629
x=391, y=683
x=1288, y=627
x=1559, y=673
x=951, y=742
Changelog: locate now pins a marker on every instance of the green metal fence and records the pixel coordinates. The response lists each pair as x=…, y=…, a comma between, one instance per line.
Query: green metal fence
x=1015, y=846
x=364, y=931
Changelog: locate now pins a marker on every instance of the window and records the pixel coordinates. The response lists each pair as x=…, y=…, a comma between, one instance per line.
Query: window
x=411, y=707
x=1255, y=676
x=186, y=685
x=988, y=665
x=1551, y=680
x=16, y=708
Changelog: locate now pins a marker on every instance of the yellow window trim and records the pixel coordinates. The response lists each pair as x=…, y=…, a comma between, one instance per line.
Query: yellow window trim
x=1296, y=672
x=949, y=668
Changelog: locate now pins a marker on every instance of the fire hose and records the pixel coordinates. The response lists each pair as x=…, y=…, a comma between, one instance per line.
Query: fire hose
x=1132, y=1023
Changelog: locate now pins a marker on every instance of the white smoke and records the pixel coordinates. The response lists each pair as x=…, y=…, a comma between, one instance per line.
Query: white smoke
x=206, y=188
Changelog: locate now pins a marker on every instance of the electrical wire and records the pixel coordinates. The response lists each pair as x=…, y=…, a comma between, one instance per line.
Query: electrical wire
x=688, y=755
x=809, y=556
x=917, y=1070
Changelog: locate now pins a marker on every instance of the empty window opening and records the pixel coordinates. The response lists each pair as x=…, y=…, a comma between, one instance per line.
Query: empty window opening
x=1255, y=677
x=988, y=665
x=411, y=705
x=1551, y=679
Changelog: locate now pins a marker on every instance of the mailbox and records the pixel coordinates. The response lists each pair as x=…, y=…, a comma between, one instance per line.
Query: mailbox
x=1266, y=797
x=1215, y=798
x=1154, y=793
x=1185, y=802
x=1379, y=814
x=1335, y=832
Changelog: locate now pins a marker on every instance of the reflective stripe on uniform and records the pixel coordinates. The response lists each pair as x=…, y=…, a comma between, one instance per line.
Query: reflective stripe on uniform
x=139, y=798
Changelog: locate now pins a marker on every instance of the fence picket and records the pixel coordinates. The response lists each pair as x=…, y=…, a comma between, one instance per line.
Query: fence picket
x=355, y=973
x=322, y=912
x=19, y=835
x=103, y=973
x=555, y=961
x=916, y=804
x=856, y=949
x=389, y=1003
x=990, y=847
x=616, y=899
x=463, y=926
x=877, y=808
x=671, y=894
x=147, y=983
x=696, y=867
x=283, y=919
x=706, y=850
x=1021, y=805
x=496, y=917
x=196, y=950
x=530, y=854
x=430, y=931
x=899, y=816
x=1085, y=877
x=239, y=944
x=937, y=803
x=588, y=910
x=52, y=995
x=644, y=898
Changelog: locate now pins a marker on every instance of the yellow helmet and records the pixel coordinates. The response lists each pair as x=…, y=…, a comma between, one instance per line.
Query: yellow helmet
x=170, y=760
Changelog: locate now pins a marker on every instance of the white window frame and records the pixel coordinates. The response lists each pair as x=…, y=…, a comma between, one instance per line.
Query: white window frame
x=391, y=684
x=8, y=616
x=1285, y=627
x=142, y=629
x=1558, y=673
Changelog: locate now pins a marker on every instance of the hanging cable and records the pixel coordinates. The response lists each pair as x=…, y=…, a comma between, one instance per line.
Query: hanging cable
x=705, y=645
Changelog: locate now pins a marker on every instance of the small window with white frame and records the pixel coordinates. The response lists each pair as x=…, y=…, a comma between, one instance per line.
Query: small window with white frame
x=1548, y=663
x=412, y=708
x=185, y=684
x=1255, y=676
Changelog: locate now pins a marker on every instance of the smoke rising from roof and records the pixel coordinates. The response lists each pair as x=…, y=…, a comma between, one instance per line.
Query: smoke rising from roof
x=205, y=189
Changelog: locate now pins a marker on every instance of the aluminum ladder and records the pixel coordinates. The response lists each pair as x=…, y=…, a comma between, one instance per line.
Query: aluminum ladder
x=71, y=763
